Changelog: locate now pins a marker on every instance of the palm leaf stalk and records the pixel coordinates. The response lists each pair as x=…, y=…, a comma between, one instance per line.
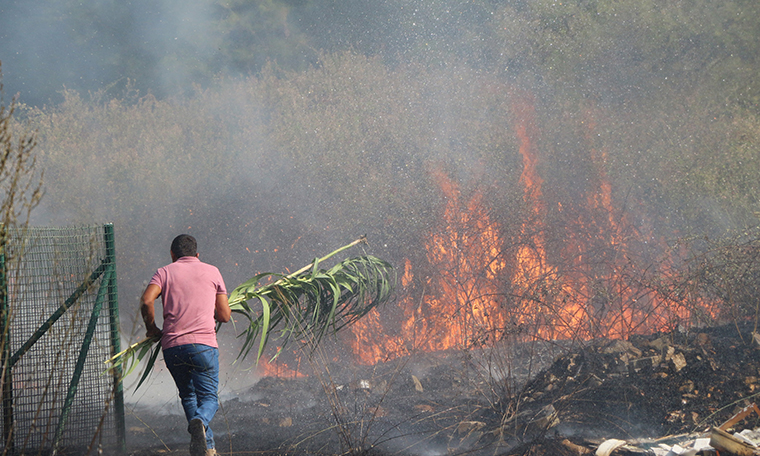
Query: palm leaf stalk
x=129, y=358
x=313, y=303
x=307, y=304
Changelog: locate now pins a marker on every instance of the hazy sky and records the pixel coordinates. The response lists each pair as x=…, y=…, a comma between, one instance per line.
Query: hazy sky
x=88, y=46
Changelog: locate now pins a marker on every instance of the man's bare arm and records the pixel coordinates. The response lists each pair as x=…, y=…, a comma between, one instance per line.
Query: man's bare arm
x=148, y=311
x=222, y=311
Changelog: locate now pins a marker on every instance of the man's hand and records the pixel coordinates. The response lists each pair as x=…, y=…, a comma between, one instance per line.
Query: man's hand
x=154, y=331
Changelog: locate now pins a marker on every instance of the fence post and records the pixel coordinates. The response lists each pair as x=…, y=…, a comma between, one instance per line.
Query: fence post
x=40, y=265
x=113, y=314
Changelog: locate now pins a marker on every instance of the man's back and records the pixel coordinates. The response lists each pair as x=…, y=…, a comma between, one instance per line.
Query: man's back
x=188, y=291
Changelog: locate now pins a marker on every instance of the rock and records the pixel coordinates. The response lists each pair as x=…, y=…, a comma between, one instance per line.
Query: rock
x=621, y=347
x=677, y=359
x=659, y=344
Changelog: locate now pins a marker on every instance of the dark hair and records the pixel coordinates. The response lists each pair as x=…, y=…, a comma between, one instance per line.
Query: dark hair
x=184, y=245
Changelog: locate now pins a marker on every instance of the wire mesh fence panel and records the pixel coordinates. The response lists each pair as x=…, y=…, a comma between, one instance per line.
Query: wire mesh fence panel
x=62, y=323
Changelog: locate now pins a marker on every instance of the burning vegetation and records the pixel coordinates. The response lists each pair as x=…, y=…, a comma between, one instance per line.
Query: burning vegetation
x=593, y=278
x=571, y=211
x=521, y=338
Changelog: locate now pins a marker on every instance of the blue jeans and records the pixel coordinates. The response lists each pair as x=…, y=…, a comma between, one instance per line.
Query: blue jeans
x=195, y=369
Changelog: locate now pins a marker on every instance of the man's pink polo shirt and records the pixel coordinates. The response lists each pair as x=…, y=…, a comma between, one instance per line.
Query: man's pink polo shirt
x=188, y=292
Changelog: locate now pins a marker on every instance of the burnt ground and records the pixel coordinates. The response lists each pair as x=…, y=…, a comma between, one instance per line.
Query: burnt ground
x=501, y=401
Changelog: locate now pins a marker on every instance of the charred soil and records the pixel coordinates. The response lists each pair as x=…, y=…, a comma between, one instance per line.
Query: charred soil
x=455, y=403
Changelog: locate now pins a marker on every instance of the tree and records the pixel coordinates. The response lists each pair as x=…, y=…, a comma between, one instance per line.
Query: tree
x=20, y=181
x=668, y=91
x=21, y=187
x=252, y=33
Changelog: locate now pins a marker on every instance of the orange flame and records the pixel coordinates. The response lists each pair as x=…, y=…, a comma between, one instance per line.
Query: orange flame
x=458, y=306
x=582, y=290
x=267, y=368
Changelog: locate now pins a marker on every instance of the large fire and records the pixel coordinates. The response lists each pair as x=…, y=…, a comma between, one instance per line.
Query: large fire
x=483, y=290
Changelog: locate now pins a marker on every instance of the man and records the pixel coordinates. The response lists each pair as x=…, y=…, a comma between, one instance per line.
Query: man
x=193, y=296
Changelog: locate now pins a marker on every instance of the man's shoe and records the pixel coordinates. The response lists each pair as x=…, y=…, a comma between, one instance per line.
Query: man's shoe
x=197, y=437
x=210, y=452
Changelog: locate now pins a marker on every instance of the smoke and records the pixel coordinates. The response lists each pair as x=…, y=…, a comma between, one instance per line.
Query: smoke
x=159, y=47
x=159, y=118
x=160, y=393
x=270, y=171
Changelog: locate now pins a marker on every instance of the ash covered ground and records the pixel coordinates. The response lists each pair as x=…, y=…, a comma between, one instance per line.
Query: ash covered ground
x=506, y=400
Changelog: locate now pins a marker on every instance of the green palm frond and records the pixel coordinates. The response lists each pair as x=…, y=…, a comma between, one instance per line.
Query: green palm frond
x=307, y=304
x=311, y=304
x=130, y=358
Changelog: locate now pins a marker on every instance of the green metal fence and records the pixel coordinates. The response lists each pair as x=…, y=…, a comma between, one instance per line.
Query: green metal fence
x=59, y=321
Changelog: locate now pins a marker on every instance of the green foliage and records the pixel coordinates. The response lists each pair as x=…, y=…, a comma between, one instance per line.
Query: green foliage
x=689, y=160
x=133, y=355
x=630, y=46
x=253, y=33
x=311, y=305
x=719, y=176
x=673, y=96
